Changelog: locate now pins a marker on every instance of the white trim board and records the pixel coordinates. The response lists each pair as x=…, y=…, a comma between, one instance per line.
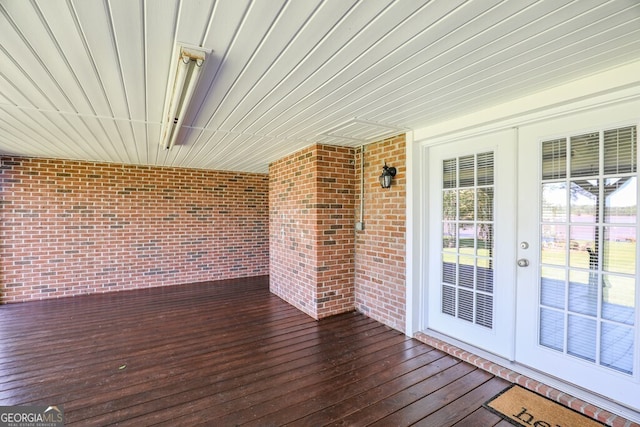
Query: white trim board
x=611, y=87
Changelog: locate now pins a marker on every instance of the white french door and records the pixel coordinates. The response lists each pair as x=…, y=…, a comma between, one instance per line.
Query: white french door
x=578, y=224
x=471, y=222
x=532, y=251
x=577, y=304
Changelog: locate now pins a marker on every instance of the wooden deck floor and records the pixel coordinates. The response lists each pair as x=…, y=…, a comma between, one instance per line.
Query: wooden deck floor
x=225, y=354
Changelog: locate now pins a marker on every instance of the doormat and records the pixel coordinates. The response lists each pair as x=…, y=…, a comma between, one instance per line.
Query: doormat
x=525, y=408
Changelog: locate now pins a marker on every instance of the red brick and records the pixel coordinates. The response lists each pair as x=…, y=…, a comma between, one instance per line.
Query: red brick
x=116, y=227
x=313, y=213
x=310, y=217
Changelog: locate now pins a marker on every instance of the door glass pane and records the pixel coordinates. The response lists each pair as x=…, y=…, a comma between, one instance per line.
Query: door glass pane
x=581, y=246
x=619, y=296
x=554, y=244
x=484, y=310
x=552, y=287
x=554, y=159
x=620, y=150
x=449, y=300
x=485, y=204
x=554, y=202
x=581, y=337
x=467, y=238
x=617, y=342
x=484, y=276
x=449, y=273
x=583, y=292
x=620, y=205
x=585, y=154
x=449, y=205
x=619, y=250
x=449, y=236
x=552, y=329
x=485, y=168
x=465, y=271
x=584, y=201
x=465, y=305
x=466, y=172
x=485, y=240
x=467, y=203
x=588, y=251
x=450, y=173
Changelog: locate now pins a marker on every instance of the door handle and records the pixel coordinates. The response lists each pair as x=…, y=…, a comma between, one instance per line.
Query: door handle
x=523, y=262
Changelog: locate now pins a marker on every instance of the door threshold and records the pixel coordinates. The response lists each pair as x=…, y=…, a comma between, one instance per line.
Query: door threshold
x=580, y=400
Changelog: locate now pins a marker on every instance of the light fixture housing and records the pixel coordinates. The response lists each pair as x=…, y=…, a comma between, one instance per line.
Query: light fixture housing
x=387, y=175
x=187, y=63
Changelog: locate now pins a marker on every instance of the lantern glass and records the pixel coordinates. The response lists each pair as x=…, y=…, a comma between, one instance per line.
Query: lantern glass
x=387, y=174
x=385, y=179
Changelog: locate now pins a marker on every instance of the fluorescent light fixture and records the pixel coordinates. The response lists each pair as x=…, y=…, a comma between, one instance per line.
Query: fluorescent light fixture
x=186, y=67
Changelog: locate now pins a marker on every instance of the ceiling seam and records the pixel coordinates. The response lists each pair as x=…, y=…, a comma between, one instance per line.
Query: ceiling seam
x=278, y=58
x=70, y=70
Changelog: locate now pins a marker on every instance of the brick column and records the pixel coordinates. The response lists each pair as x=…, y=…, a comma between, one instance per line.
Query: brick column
x=318, y=262
x=311, y=238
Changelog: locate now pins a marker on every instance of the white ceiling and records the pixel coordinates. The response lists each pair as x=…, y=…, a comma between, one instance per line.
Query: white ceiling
x=86, y=79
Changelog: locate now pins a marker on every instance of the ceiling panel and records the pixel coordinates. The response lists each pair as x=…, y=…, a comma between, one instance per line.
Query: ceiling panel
x=128, y=28
x=302, y=56
x=87, y=79
x=268, y=57
x=321, y=63
x=40, y=57
x=388, y=62
x=382, y=52
x=252, y=32
x=82, y=76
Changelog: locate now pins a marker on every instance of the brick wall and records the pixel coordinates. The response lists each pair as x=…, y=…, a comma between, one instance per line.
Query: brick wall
x=318, y=263
x=335, y=236
x=311, y=229
x=380, y=248
x=292, y=219
x=70, y=227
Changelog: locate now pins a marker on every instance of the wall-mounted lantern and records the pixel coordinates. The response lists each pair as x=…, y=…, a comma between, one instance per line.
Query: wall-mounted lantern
x=387, y=174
